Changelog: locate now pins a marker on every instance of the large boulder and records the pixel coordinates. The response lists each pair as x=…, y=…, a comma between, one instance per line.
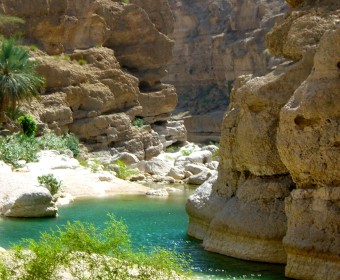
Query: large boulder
x=20, y=197
x=308, y=142
x=29, y=202
x=158, y=166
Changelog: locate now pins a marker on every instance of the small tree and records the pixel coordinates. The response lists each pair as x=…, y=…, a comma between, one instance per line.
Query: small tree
x=18, y=79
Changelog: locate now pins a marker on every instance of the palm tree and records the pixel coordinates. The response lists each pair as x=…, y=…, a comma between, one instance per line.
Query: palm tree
x=5, y=21
x=18, y=79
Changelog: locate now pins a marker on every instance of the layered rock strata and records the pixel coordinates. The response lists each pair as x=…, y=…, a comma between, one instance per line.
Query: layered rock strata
x=103, y=61
x=215, y=42
x=279, y=170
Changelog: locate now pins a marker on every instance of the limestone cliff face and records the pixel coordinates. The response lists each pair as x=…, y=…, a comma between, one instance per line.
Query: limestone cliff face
x=276, y=198
x=215, y=42
x=159, y=12
x=103, y=61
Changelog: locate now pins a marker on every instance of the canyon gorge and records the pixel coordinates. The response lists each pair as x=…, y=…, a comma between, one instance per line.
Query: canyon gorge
x=260, y=77
x=215, y=42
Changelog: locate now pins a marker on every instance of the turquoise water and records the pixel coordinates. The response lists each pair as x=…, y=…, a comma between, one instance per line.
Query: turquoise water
x=151, y=222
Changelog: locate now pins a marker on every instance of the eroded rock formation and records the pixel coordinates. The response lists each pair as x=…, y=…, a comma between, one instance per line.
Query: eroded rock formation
x=279, y=170
x=308, y=143
x=215, y=42
x=103, y=62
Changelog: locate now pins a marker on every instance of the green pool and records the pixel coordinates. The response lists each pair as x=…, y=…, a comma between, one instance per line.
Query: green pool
x=151, y=222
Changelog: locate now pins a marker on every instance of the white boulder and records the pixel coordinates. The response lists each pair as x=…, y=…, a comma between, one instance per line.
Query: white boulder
x=30, y=202
x=158, y=166
x=176, y=173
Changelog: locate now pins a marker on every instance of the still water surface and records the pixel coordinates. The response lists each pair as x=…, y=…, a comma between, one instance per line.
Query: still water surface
x=151, y=222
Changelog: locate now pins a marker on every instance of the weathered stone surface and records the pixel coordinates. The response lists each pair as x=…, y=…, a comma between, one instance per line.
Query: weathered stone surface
x=176, y=173
x=30, y=202
x=108, y=60
x=149, y=50
x=249, y=158
x=127, y=158
x=313, y=235
x=171, y=132
x=204, y=128
x=309, y=131
x=251, y=224
x=157, y=193
x=200, y=178
x=159, y=12
x=157, y=104
x=215, y=42
x=280, y=133
x=308, y=142
x=158, y=166
x=200, y=157
x=20, y=197
x=201, y=207
x=53, y=160
x=302, y=30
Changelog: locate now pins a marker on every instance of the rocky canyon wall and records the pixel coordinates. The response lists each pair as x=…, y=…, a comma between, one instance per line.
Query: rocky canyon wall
x=276, y=198
x=103, y=62
x=215, y=42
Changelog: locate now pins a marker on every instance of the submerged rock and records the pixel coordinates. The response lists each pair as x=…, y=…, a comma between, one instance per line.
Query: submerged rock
x=157, y=193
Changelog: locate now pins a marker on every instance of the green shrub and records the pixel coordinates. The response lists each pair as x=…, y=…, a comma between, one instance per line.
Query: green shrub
x=95, y=165
x=33, y=48
x=50, y=141
x=138, y=122
x=66, y=57
x=172, y=149
x=123, y=171
x=72, y=143
x=82, y=61
x=93, y=253
x=187, y=152
x=18, y=147
x=51, y=182
x=4, y=270
x=28, y=125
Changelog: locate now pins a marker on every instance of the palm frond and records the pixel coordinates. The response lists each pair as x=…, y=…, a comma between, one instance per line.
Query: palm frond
x=18, y=79
x=10, y=20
